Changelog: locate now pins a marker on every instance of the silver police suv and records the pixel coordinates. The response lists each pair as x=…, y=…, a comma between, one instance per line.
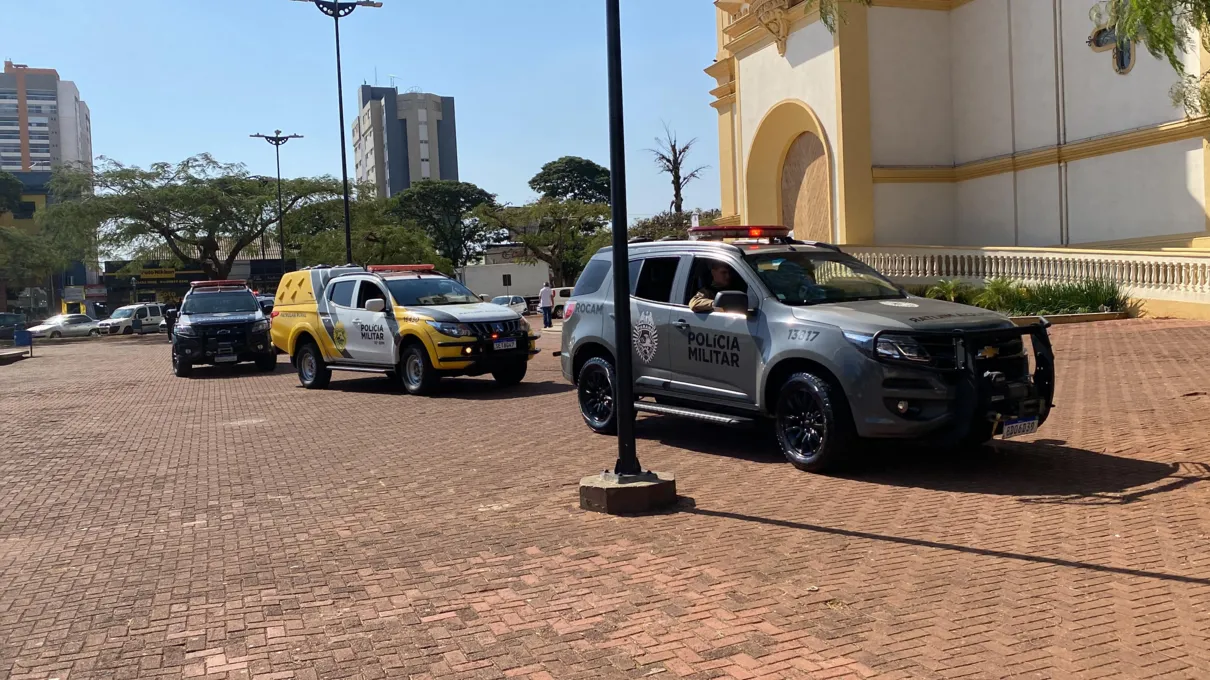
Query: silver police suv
x=737, y=326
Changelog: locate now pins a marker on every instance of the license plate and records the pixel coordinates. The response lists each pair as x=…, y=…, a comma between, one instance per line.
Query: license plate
x=1017, y=428
x=225, y=358
x=510, y=343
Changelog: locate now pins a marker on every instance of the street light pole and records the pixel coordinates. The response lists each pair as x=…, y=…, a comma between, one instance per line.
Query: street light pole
x=277, y=140
x=336, y=10
x=628, y=460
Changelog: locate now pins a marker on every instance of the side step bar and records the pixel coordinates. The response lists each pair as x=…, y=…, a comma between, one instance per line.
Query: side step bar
x=358, y=369
x=693, y=414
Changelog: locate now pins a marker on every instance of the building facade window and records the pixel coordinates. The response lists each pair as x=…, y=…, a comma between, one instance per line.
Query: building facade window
x=1104, y=39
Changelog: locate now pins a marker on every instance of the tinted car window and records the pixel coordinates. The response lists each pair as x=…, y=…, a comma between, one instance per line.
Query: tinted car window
x=654, y=280
x=342, y=293
x=219, y=303
x=369, y=291
x=594, y=275
x=434, y=291
x=142, y=313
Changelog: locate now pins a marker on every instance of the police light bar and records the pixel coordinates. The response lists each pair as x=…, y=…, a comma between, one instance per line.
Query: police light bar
x=381, y=268
x=725, y=233
x=219, y=284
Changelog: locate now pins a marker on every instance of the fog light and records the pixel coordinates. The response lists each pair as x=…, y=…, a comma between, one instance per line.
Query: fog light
x=902, y=407
x=467, y=350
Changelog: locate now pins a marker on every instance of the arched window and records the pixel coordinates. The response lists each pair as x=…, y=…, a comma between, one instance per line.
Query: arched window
x=1104, y=39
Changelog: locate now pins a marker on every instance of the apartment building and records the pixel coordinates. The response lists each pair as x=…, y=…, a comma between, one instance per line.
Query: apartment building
x=43, y=121
x=399, y=139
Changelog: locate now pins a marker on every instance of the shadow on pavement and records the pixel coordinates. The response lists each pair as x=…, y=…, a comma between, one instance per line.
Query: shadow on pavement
x=1044, y=471
x=215, y=372
x=754, y=444
x=449, y=388
x=688, y=506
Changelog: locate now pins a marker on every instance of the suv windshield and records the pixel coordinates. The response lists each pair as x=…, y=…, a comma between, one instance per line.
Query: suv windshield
x=428, y=292
x=220, y=303
x=123, y=313
x=811, y=278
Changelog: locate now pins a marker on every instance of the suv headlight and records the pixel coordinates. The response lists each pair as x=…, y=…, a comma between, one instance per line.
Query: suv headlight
x=889, y=347
x=454, y=330
x=524, y=325
x=185, y=331
x=260, y=326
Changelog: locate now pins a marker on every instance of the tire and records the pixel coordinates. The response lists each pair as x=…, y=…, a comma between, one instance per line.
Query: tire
x=814, y=428
x=597, y=397
x=313, y=372
x=180, y=367
x=128, y=330
x=558, y=313
x=55, y=335
x=979, y=434
x=511, y=375
x=267, y=363
x=94, y=333
x=417, y=372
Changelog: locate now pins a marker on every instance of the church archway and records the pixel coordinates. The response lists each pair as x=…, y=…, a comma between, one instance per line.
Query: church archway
x=788, y=179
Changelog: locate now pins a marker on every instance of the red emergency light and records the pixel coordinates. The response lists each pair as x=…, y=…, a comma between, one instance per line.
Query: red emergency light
x=219, y=284
x=725, y=233
x=387, y=268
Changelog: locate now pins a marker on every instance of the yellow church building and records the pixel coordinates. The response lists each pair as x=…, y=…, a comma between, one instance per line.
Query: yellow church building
x=957, y=123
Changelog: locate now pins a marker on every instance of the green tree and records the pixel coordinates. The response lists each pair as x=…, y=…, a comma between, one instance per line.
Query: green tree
x=10, y=192
x=670, y=157
x=572, y=178
x=446, y=211
x=671, y=224
x=1166, y=28
x=205, y=212
x=553, y=231
x=378, y=236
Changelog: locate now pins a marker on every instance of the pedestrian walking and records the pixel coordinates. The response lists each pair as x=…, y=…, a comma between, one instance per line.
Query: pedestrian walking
x=546, y=300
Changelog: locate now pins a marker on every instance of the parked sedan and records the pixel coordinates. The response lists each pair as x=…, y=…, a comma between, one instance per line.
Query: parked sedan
x=66, y=326
x=513, y=302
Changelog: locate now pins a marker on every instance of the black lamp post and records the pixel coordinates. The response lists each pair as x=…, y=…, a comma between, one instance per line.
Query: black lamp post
x=628, y=460
x=337, y=10
x=277, y=140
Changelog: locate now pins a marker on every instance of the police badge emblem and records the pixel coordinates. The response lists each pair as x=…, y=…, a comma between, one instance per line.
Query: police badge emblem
x=339, y=337
x=644, y=336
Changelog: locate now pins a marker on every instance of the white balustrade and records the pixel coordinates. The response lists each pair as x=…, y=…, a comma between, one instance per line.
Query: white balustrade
x=1153, y=275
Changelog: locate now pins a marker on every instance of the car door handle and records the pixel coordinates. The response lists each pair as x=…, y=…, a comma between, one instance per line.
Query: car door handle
x=680, y=323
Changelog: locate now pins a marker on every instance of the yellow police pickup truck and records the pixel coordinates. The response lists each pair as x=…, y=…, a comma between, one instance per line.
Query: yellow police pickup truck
x=403, y=320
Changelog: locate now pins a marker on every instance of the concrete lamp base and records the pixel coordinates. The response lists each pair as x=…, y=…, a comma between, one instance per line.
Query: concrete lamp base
x=627, y=494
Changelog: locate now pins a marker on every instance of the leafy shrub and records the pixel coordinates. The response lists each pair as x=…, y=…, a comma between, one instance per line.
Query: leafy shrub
x=1008, y=297
x=952, y=290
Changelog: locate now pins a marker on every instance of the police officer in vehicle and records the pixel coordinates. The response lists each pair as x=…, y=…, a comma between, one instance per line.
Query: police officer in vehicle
x=720, y=280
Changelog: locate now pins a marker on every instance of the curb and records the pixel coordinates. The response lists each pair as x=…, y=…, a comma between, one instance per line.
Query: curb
x=1058, y=319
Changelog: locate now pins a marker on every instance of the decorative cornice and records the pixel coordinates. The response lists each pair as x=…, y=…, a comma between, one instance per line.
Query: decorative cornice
x=728, y=221
x=748, y=30
x=774, y=16
x=724, y=101
x=1075, y=151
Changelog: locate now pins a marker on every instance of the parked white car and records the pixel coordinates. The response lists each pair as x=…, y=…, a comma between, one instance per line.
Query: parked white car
x=66, y=326
x=122, y=321
x=513, y=302
x=561, y=295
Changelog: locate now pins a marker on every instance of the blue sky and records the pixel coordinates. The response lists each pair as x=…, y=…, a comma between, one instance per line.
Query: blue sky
x=169, y=78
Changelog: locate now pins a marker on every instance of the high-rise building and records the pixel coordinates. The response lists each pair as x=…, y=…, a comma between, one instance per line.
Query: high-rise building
x=399, y=139
x=43, y=121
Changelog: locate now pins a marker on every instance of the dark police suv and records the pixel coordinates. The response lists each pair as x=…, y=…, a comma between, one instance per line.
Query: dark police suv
x=221, y=322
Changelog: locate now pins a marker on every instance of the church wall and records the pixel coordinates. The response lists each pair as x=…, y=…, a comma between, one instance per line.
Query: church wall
x=984, y=213
x=980, y=73
x=807, y=72
x=914, y=214
x=1151, y=191
x=1038, y=207
x=1100, y=101
x=1035, y=117
x=911, y=117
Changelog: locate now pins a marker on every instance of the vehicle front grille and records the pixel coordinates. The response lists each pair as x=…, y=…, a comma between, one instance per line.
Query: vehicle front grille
x=990, y=351
x=487, y=328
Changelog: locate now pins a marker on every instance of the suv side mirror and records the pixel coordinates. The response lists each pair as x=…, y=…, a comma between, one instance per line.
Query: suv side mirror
x=485, y=298
x=376, y=305
x=732, y=301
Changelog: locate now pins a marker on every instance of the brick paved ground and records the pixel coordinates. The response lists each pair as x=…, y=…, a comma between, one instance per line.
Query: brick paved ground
x=237, y=525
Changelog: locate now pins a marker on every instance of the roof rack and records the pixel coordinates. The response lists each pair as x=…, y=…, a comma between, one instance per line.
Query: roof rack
x=639, y=239
x=228, y=283
x=389, y=268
